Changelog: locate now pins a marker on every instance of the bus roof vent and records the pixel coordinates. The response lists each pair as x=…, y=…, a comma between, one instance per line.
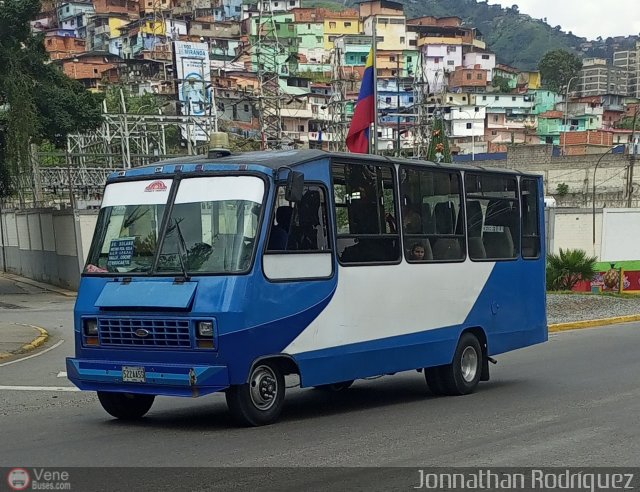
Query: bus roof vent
x=218, y=145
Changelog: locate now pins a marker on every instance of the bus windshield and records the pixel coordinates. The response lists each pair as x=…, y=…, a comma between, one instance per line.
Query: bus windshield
x=211, y=229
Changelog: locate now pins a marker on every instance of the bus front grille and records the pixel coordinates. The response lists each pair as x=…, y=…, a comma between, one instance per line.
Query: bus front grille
x=137, y=332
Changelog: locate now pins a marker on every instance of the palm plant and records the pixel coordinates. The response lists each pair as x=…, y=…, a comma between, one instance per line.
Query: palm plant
x=569, y=267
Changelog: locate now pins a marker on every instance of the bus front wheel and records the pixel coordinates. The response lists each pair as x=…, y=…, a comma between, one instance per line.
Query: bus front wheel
x=125, y=406
x=260, y=401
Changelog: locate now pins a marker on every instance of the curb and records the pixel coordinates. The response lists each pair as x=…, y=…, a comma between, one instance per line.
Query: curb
x=41, y=285
x=32, y=345
x=37, y=342
x=578, y=325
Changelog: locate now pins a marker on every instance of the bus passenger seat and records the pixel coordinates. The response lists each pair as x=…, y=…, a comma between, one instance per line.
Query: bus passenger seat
x=476, y=248
x=428, y=224
x=445, y=248
x=497, y=239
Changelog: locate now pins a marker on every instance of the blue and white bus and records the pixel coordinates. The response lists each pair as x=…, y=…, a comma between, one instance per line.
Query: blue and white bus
x=229, y=272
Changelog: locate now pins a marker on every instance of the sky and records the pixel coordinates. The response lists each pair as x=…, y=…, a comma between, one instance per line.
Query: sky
x=585, y=18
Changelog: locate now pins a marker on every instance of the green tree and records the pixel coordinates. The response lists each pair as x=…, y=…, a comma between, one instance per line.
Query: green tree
x=569, y=267
x=502, y=83
x=37, y=100
x=147, y=103
x=557, y=68
x=439, y=150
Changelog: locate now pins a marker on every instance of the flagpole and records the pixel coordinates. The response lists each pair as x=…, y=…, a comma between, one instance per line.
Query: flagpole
x=375, y=85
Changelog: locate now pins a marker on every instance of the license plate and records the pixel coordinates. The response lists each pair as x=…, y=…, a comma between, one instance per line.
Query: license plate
x=133, y=374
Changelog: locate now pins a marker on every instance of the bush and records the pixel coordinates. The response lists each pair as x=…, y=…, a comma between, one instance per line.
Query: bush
x=565, y=270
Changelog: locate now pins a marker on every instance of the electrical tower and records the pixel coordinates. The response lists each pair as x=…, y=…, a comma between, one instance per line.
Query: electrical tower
x=422, y=129
x=268, y=52
x=338, y=127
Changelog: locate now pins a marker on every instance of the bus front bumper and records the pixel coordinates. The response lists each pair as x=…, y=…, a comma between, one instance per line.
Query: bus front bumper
x=147, y=378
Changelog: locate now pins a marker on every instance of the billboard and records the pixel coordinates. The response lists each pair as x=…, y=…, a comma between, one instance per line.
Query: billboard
x=193, y=70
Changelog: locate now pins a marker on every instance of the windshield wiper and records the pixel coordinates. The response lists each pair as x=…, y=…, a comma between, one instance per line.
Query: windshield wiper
x=182, y=246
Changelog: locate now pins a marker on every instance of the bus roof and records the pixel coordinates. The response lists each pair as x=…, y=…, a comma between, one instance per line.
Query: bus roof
x=275, y=159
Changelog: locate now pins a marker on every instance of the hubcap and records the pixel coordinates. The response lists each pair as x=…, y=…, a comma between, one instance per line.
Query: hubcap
x=263, y=387
x=469, y=364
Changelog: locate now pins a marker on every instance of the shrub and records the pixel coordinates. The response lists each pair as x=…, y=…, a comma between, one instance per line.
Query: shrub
x=566, y=269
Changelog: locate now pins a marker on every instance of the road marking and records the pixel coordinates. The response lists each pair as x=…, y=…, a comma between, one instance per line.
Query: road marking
x=39, y=388
x=33, y=355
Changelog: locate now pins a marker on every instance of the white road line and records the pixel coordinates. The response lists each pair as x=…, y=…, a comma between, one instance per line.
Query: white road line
x=33, y=355
x=39, y=388
x=62, y=374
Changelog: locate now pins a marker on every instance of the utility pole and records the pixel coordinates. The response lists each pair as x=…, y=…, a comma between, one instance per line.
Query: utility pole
x=422, y=130
x=398, y=104
x=375, y=84
x=566, y=115
x=632, y=159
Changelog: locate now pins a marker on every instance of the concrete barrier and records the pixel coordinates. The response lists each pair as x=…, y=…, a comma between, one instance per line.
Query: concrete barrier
x=46, y=245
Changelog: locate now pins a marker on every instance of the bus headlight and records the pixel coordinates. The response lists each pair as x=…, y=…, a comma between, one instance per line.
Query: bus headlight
x=90, y=327
x=205, y=329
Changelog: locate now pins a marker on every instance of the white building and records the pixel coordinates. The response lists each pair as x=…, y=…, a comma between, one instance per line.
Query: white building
x=484, y=58
x=439, y=60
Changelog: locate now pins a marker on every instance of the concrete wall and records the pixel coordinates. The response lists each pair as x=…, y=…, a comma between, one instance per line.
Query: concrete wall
x=46, y=245
x=577, y=172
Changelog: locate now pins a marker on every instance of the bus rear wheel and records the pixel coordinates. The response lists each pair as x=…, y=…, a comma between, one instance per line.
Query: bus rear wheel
x=260, y=401
x=125, y=406
x=462, y=376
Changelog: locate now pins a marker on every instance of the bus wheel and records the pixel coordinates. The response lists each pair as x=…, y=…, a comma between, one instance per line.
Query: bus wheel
x=335, y=387
x=125, y=406
x=462, y=376
x=260, y=401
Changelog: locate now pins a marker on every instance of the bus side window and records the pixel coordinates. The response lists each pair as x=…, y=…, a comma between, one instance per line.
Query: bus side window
x=432, y=215
x=301, y=226
x=493, y=224
x=530, y=221
x=366, y=213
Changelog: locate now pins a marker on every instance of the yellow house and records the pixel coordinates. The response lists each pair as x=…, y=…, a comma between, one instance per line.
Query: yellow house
x=391, y=31
x=535, y=80
x=155, y=28
x=115, y=23
x=340, y=24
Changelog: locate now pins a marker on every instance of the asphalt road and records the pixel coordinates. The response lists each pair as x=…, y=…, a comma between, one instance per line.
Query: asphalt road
x=573, y=401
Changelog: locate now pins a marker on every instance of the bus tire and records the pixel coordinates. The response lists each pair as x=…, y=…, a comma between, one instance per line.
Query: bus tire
x=260, y=401
x=335, y=387
x=125, y=406
x=434, y=380
x=462, y=376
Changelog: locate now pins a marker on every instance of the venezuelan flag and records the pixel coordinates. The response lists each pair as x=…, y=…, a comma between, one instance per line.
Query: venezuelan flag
x=363, y=117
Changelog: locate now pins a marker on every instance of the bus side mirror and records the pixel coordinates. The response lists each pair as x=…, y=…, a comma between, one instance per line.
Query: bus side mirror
x=295, y=186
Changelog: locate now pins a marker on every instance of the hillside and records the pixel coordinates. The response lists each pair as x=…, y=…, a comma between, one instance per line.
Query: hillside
x=516, y=38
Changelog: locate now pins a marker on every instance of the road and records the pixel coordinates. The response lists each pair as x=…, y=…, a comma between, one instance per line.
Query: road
x=573, y=401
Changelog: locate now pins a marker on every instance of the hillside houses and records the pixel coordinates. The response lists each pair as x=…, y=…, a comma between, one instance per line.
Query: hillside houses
x=486, y=105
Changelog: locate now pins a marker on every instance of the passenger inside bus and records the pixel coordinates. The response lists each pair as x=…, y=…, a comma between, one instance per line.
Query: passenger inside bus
x=279, y=237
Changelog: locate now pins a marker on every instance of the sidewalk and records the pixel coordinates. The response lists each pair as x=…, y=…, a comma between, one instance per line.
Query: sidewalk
x=18, y=338
x=40, y=285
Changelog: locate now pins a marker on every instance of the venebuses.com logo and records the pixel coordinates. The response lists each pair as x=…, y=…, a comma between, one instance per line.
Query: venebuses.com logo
x=18, y=479
x=38, y=479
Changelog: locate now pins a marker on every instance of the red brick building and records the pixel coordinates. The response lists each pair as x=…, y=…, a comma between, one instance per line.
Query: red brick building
x=465, y=78
x=60, y=47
